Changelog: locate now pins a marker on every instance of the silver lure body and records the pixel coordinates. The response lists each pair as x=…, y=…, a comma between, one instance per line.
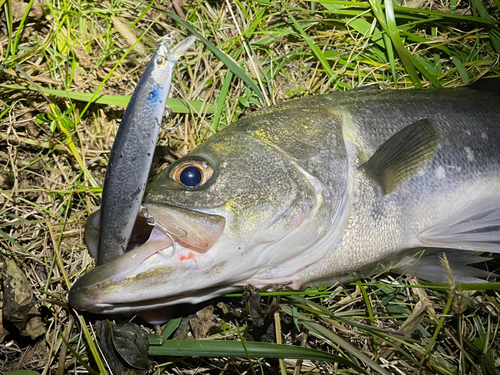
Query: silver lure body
x=132, y=153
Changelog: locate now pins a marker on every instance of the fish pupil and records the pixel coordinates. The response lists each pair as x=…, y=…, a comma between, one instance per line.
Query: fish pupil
x=190, y=176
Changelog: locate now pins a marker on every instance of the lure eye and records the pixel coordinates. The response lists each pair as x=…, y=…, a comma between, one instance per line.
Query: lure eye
x=192, y=173
x=160, y=61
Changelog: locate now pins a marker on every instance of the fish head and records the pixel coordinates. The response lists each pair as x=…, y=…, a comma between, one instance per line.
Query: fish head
x=236, y=210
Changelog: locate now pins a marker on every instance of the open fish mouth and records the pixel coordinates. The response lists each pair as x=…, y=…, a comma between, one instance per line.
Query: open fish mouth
x=166, y=241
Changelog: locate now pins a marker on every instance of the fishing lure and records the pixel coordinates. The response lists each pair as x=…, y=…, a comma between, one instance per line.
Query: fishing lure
x=132, y=152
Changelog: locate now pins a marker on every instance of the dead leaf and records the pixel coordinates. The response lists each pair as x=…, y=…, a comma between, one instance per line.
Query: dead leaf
x=182, y=332
x=83, y=57
x=34, y=328
x=18, y=307
x=132, y=345
x=124, y=347
x=251, y=297
x=3, y=331
x=202, y=322
x=19, y=9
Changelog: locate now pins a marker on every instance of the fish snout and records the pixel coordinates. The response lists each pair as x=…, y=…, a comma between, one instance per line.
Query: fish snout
x=81, y=296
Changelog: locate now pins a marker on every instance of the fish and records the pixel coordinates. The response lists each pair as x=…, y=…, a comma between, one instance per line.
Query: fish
x=316, y=191
x=132, y=154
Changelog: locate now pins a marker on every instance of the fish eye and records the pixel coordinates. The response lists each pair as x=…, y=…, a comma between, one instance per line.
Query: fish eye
x=160, y=61
x=192, y=173
x=190, y=176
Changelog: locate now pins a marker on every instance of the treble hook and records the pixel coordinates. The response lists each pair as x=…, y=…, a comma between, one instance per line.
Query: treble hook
x=151, y=220
x=168, y=39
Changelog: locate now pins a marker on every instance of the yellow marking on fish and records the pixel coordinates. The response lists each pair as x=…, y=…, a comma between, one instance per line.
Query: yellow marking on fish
x=261, y=134
x=349, y=133
x=222, y=148
x=216, y=269
x=349, y=130
x=229, y=205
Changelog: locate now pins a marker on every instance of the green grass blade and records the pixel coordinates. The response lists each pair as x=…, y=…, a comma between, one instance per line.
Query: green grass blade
x=96, y=93
x=481, y=342
x=329, y=335
x=479, y=286
x=439, y=326
x=389, y=24
x=434, y=15
x=92, y=346
x=20, y=28
x=461, y=69
x=15, y=243
x=314, y=48
x=33, y=84
x=494, y=32
x=422, y=40
x=453, y=6
x=212, y=348
x=392, y=60
x=221, y=100
x=358, y=24
x=7, y=11
x=423, y=70
x=240, y=73
x=78, y=357
x=170, y=328
x=177, y=105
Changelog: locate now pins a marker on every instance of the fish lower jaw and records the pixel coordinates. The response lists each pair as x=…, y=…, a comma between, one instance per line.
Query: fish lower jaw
x=152, y=304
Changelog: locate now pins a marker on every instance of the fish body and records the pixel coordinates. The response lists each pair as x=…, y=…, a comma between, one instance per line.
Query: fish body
x=132, y=153
x=318, y=190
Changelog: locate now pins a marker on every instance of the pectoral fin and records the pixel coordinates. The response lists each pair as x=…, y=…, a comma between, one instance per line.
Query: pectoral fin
x=403, y=155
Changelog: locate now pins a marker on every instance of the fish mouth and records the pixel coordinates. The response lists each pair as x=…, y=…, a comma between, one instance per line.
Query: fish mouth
x=166, y=242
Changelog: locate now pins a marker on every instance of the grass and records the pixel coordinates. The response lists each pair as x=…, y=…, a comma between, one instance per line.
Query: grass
x=86, y=57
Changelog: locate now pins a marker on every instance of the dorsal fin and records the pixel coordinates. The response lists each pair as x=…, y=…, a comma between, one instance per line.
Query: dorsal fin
x=403, y=155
